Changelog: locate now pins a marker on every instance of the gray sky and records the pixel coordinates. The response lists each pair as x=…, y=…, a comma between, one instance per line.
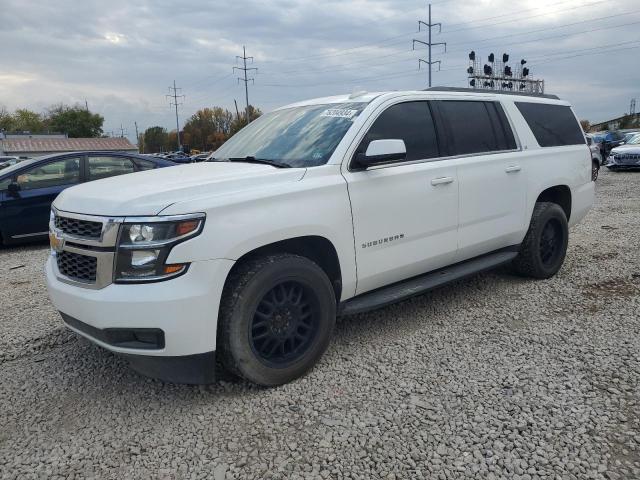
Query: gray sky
x=121, y=55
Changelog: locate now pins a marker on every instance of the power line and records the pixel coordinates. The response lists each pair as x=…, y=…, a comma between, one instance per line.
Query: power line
x=527, y=17
x=519, y=12
x=246, y=80
x=429, y=44
x=175, y=103
x=519, y=34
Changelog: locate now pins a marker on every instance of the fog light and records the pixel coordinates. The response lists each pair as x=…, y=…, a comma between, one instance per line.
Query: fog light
x=143, y=258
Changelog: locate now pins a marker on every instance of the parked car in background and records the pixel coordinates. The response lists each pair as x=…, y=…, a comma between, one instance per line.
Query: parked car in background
x=608, y=140
x=630, y=135
x=28, y=187
x=6, y=161
x=596, y=156
x=201, y=157
x=625, y=157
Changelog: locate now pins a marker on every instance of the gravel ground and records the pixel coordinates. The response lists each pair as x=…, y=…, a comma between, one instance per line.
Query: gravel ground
x=493, y=377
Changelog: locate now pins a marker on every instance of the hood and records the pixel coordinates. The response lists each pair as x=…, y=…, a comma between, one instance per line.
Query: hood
x=150, y=192
x=634, y=149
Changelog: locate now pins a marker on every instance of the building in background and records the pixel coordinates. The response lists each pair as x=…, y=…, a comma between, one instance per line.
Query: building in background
x=625, y=121
x=35, y=145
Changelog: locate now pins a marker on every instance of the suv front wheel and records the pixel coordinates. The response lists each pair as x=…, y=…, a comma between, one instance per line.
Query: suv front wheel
x=544, y=247
x=276, y=318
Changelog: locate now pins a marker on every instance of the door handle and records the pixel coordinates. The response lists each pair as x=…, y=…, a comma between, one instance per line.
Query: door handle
x=441, y=181
x=513, y=169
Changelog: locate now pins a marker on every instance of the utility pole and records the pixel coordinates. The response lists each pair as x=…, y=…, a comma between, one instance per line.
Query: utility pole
x=86, y=105
x=632, y=107
x=246, y=80
x=122, y=131
x=237, y=112
x=429, y=44
x=138, y=137
x=175, y=103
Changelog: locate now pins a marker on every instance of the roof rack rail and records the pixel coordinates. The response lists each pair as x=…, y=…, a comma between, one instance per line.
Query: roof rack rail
x=500, y=92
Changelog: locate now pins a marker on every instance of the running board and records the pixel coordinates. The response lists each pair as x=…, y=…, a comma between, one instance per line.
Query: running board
x=415, y=286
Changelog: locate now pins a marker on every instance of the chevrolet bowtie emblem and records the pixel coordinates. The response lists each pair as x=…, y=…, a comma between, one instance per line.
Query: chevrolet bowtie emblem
x=56, y=240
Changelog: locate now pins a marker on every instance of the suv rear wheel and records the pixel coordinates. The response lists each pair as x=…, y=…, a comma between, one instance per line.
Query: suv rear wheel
x=544, y=247
x=276, y=318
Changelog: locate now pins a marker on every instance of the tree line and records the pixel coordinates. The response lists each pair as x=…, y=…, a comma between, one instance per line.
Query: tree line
x=75, y=121
x=205, y=130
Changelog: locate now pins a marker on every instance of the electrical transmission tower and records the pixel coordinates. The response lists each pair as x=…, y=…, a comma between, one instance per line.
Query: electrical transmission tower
x=246, y=80
x=429, y=44
x=123, y=131
x=173, y=101
x=632, y=107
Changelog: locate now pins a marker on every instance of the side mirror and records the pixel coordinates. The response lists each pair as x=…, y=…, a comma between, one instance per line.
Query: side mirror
x=13, y=189
x=382, y=151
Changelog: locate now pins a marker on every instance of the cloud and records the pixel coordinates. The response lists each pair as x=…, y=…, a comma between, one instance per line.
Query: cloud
x=122, y=56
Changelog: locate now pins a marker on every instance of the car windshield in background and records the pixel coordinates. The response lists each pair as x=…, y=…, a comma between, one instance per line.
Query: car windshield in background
x=635, y=140
x=15, y=167
x=297, y=137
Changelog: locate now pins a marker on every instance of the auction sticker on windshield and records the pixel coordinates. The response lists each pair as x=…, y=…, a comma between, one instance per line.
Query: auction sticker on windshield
x=339, y=113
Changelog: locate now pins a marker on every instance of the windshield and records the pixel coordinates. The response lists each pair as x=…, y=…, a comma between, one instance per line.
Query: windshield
x=13, y=168
x=634, y=140
x=297, y=137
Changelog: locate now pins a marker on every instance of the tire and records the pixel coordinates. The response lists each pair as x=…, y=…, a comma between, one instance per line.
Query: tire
x=544, y=247
x=595, y=169
x=281, y=299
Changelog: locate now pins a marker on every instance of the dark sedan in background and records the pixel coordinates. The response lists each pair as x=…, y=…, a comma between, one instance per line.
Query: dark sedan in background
x=28, y=188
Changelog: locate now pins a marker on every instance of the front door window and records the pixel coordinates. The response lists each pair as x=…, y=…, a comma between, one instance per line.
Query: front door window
x=54, y=174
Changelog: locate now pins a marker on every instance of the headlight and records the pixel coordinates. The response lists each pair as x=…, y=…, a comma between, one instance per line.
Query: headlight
x=144, y=246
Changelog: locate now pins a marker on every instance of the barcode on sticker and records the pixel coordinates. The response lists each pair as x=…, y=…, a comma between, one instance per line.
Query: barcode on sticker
x=339, y=113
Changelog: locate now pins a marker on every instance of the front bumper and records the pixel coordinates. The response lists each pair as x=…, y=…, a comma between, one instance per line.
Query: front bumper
x=184, y=309
x=623, y=162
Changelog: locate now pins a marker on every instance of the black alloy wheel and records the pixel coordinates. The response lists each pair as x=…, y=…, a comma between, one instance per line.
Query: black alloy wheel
x=284, y=324
x=544, y=247
x=276, y=318
x=551, y=242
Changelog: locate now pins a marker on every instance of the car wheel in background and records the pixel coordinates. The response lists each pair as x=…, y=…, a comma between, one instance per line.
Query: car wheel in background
x=595, y=169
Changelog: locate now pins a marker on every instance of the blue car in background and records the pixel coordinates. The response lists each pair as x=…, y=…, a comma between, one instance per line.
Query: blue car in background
x=28, y=188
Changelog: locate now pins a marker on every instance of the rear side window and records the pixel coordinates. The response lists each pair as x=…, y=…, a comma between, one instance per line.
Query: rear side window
x=411, y=122
x=475, y=127
x=552, y=125
x=104, y=167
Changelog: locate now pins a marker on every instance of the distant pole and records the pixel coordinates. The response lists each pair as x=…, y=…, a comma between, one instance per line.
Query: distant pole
x=122, y=131
x=86, y=105
x=429, y=44
x=237, y=111
x=138, y=137
x=246, y=80
x=175, y=103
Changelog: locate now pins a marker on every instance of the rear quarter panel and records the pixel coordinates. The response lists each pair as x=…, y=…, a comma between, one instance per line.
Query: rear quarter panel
x=551, y=166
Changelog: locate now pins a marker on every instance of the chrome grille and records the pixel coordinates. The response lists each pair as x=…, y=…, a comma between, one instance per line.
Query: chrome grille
x=79, y=228
x=77, y=267
x=627, y=156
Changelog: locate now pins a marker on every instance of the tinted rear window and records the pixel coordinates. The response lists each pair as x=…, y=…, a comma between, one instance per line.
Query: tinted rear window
x=552, y=125
x=475, y=127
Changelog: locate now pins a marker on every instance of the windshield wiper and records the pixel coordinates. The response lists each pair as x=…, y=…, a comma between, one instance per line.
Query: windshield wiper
x=265, y=161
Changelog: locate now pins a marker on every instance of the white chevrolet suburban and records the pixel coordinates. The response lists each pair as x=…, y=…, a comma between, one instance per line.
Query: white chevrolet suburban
x=321, y=208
